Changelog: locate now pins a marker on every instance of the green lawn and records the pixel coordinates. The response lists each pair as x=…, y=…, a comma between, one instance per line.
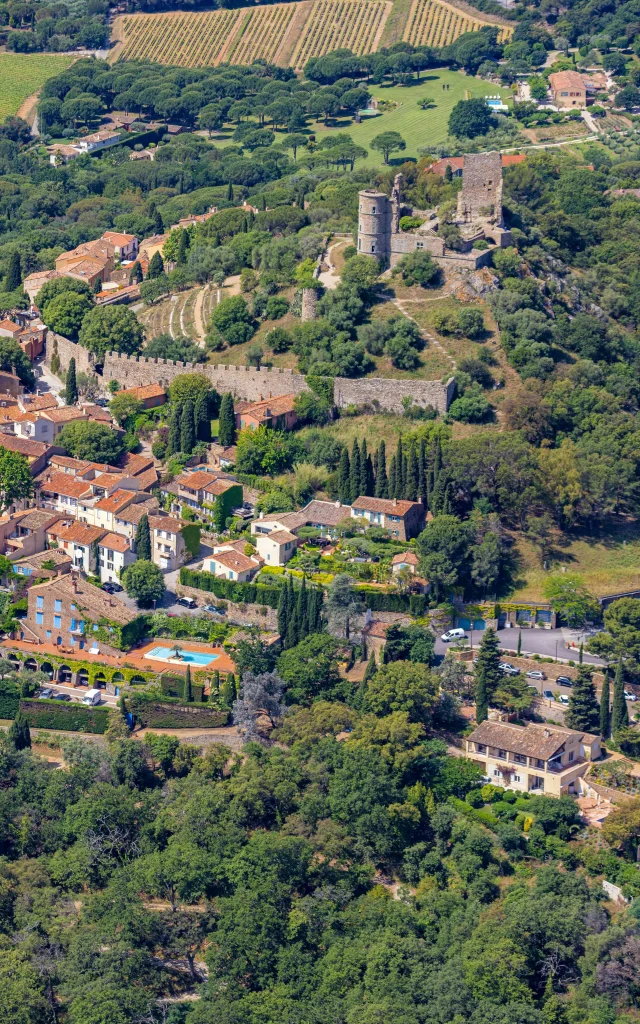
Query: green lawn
x=22, y=74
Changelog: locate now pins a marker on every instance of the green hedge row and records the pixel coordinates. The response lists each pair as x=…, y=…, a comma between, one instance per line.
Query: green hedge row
x=51, y=714
x=9, y=699
x=239, y=593
x=173, y=686
x=413, y=604
x=171, y=714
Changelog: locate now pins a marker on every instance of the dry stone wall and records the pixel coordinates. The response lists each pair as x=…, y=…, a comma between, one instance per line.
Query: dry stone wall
x=68, y=350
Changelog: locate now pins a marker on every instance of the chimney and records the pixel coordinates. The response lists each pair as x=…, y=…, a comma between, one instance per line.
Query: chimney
x=337, y=504
x=395, y=501
x=74, y=583
x=547, y=734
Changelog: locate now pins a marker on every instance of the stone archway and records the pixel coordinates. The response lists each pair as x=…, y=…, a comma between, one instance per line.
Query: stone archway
x=64, y=674
x=31, y=665
x=100, y=681
x=82, y=677
x=117, y=677
x=47, y=669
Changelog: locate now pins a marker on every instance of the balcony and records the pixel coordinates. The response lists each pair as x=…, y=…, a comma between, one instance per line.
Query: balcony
x=556, y=767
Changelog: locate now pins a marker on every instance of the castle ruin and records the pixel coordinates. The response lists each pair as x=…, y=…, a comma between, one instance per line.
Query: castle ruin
x=478, y=217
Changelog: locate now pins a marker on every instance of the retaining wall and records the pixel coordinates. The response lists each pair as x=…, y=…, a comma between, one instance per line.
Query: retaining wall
x=68, y=350
x=250, y=384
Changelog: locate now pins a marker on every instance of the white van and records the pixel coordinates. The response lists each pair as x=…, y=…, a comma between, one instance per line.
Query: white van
x=91, y=697
x=452, y=634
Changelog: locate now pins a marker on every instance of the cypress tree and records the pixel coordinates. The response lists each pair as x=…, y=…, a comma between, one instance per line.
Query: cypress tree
x=605, y=714
x=19, y=734
x=227, y=421
x=314, y=608
x=411, y=481
x=188, y=691
x=283, y=611
x=354, y=476
x=143, y=539
x=14, y=276
x=228, y=690
x=230, y=193
x=400, y=472
x=71, y=389
x=488, y=673
x=173, y=441
x=158, y=226
x=201, y=416
x=344, y=477
x=291, y=637
x=220, y=514
x=214, y=688
x=302, y=612
x=619, y=713
x=447, y=508
x=156, y=266
x=371, y=479
x=136, y=275
x=391, y=486
x=581, y=653
x=437, y=460
x=382, y=482
x=363, y=485
x=519, y=650
x=187, y=428
x=583, y=712
x=183, y=247
x=422, y=475
x=370, y=670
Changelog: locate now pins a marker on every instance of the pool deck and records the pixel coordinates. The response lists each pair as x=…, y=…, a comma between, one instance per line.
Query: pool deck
x=134, y=658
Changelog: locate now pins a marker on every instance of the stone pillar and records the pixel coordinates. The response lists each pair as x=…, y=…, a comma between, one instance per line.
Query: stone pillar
x=309, y=304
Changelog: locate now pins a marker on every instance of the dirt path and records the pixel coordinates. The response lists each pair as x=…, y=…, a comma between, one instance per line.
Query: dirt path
x=198, y=319
x=427, y=334
x=227, y=735
x=330, y=278
x=27, y=109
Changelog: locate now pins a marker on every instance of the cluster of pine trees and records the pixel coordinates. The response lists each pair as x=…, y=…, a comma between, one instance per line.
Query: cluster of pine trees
x=189, y=423
x=414, y=474
x=298, y=613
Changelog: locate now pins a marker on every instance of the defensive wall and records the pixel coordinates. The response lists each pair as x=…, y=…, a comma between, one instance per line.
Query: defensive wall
x=251, y=384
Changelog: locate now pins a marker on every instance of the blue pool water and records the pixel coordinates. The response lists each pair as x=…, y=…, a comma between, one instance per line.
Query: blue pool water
x=188, y=657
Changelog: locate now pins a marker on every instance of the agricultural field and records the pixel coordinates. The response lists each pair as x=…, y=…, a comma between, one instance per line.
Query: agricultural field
x=22, y=74
x=187, y=40
x=341, y=24
x=435, y=23
x=262, y=33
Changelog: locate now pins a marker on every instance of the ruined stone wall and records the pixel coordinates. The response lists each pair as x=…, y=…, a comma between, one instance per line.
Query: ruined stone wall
x=404, y=243
x=309, y=304
x=481, y=186
x=388, y=394
x=67, y=350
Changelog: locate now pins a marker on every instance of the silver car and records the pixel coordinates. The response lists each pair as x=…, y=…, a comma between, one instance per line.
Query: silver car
x=536, y=674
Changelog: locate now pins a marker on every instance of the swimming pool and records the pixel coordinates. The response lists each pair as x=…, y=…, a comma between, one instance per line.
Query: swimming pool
x=186, y=658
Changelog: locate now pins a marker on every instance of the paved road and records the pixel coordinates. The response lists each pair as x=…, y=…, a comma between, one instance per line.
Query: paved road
x=77, y=693
x=550, y=643
x=169, y=600
x=46, y=382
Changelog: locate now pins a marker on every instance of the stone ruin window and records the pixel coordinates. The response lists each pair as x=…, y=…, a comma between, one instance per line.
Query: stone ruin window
x=373, y=247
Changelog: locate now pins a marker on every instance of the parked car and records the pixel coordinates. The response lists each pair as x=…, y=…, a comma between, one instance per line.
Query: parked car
x=61, y=696
x=213, y=610
x=508, y=669
x=46, y=693
x=564, y=681
x=452, y=634
x=187, y=602
x=564, y=700
x=548, y=694
x=628, y=695
x=533, y=688
x=112, y=588
x=536, y=674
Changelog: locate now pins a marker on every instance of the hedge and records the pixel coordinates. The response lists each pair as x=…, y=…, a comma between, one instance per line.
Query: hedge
x=377, y=601
x=239, y=593
x=172, y=714
x=52, y=714
x=173, y=686
x=9, y=699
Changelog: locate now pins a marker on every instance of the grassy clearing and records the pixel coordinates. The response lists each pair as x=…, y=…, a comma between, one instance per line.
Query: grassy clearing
x=385, y=427
x=608, y=564
x=22, y=74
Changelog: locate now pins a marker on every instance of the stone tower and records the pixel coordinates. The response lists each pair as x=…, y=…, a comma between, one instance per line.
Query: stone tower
x=374, y=224
x=481, y=195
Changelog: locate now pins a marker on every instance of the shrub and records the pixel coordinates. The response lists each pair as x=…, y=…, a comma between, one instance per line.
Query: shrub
x=51, y=714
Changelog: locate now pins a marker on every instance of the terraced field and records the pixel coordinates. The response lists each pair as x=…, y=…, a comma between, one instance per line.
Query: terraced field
x=434, y=23
x=284, y=33
x=22, y=74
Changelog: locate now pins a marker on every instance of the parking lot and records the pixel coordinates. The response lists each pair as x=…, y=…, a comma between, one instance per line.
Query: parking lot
x=76, y=693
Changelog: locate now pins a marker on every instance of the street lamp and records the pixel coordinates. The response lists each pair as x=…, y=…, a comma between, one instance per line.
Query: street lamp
x=556, y=651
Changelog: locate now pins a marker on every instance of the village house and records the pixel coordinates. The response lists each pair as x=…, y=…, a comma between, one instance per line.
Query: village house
x=46, y=424
x=406, y=564
x=277, y=413
x=34, y=282
x=24, y=533
x=44, y=565
x=277, y=547
x=61, y=153
x=568, y=89
x=403, y=519
x=230, y=562
x=126, y=521
x=219, y=457
x=66, y=611
x=10, y=384
x=114, y=555
x=149, y=395
x=37, y=453
x=125, y=246
x=533, y=758
x=201, y=489
x=324, y=516
x=168, y=549
x=79, y=541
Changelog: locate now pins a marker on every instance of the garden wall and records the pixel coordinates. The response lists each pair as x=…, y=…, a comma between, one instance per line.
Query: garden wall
x=237, y=614
x=158, y=714
x=250, y=384
x=50, y=714
x=68, y=350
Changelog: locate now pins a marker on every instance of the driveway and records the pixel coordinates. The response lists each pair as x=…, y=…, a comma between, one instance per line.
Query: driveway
x=550, y=643
x=77, y=693
x=171, y=579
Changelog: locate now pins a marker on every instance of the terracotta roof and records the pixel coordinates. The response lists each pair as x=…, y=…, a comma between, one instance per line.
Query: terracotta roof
x=52, y=555
x=78, y=466
x=231, y=545
x=219, y=486
x=8, y=325
x=235, y=561
x=509, y=159
x=115, y=541
x=327, y=513
x=148, y=479
x=62, y=414
x=118, y=238
x=115, y=502
x=37, y=518
x=108, y=481
x=377, y=629
x=292, y=520
x=566, y=80
x=135, y=464
x=196, y=481
x=540, y=741
x=97, y=413
x=167, y=523
x=95, y=603
x=408, y=558
x=39, y=402
x=145, y=391
x=77, y=533
x=32, y=449
x=65, y=483
x=268, y=407
x=385, y=505
x=134, y=513
x=281, y=536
